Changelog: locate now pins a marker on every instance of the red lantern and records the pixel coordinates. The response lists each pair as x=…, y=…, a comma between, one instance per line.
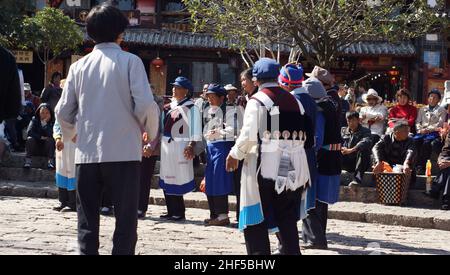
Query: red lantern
x=158, y=62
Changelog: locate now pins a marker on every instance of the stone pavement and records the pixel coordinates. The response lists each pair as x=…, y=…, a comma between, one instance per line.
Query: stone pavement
x=29, y=226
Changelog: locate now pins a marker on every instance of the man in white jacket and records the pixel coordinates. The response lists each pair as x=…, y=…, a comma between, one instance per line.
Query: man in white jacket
x=107, y=94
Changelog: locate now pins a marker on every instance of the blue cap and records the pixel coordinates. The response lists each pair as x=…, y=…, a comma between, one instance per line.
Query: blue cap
x=216, y=89
x=436, y=92
x=266, y=68
x=291, y=75
x=183, y=82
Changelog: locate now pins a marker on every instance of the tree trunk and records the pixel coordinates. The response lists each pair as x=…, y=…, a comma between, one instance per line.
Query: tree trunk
x=45, y=73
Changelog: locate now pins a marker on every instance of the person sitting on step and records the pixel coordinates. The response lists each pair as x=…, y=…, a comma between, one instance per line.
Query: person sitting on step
x=40, y=140
x=356, y=146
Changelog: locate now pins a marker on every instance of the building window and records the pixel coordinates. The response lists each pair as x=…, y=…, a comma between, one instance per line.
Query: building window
x=432, y=58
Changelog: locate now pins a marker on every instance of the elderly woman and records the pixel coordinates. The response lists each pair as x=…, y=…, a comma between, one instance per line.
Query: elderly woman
x=180, y=126
x=374, y=115
x=403, y=111
x=429, y=124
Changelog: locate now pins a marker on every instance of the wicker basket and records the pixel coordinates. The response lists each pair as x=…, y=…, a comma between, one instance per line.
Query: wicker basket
x=392, y=188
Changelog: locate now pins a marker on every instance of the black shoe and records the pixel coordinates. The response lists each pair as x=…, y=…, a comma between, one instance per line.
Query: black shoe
x=59, y=208
x=68, y=209
x=177, y=218
x=141, y=214
x=315, y=246
x=106, y=211
x=27, y=164
x=445, y=207
x=166, y=216
x=51, y=165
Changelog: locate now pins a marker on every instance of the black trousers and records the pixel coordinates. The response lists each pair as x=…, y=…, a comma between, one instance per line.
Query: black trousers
x=41, y=148
x=175, y=205
x=217, y=205
x=67, y=198
x=315, y=225
x=284, y=208
x=442, y=184
x=106, y=197
x=122, y=178
x=147, y=170
x=426, y=148
x=357, y=163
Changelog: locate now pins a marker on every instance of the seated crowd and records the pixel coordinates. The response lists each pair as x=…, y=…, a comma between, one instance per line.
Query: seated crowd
x=404, y=136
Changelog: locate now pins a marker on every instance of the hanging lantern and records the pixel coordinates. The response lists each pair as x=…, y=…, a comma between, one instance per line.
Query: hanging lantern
x=158, y=62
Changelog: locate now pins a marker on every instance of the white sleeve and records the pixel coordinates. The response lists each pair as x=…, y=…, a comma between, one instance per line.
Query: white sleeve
x=249, y=133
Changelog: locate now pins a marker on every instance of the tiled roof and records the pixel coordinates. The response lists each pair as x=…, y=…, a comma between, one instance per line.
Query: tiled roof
x=178, y=39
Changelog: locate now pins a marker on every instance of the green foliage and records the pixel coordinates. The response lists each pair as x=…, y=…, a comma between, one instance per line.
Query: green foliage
x=12, y=13
x=320, y=29
x=50, y=32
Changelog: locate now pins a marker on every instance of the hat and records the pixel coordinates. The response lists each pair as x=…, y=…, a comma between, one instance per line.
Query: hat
x=436, y=92
x=291, y=75
x=265, y=68
x=314, y=88
x=372, y=93
x=26, y=87
x=322, y=75
x=183, y=82
x=230, y=87
x=216, y=89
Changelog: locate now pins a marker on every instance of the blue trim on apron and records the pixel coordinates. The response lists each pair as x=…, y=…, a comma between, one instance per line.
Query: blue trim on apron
x=65, y=182
x=250, y=215
x=177, y=190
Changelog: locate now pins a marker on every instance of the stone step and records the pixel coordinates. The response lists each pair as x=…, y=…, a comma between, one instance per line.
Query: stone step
x=369, y=180
x=416, y=198
x=344, y=210
x=16, y=160
x=27, y=175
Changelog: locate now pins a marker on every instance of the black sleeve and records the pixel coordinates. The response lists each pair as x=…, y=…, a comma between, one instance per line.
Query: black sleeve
x=45, y=96
x=410, y=153
x=34, y=130
x=13, y=96
x=379, y=149
x=366, y=142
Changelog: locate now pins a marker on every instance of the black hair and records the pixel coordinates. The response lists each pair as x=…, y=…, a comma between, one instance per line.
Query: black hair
x=248, y=73
x=436, y=92
x=55, y=75
x=105, y=23
x=350, y=115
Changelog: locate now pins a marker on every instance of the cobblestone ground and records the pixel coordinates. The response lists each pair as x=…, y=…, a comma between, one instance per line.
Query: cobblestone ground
x=29, y=226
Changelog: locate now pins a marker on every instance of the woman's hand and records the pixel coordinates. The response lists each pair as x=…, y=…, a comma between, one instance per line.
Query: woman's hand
x=189, y=152
x=59, y=145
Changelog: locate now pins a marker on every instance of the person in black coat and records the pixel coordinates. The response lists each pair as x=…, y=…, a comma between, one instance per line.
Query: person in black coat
x=10, y=94
x=396, y=148
x=40, y=140
x=355, y=148
x=52, y=93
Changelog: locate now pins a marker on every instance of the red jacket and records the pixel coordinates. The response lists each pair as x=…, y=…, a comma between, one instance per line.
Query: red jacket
x=407, y=112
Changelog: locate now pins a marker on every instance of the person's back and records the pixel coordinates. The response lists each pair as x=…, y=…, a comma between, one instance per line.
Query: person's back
x=103, y=83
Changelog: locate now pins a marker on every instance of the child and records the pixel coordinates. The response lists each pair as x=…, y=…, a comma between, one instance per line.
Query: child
x=40, y=136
